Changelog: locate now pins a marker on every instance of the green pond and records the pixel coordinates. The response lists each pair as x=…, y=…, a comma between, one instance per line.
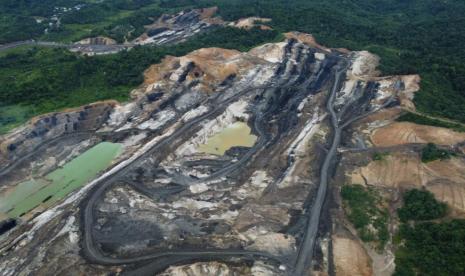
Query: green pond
x=235, y=135
x=48, y=190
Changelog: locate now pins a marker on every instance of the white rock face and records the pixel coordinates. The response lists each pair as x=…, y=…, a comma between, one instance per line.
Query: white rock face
x=120, y=114
x=261, y=269
x=272, y=52
x=161, y=119
x=198, y=188
x=254, y=187
x=364, y=64
x=274, y=243
x=201, y=269
x=192, y=204
x=320, y=56
x=191, y=114
x=134, y=140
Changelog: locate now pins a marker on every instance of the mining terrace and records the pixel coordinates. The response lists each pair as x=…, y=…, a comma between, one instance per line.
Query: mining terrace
x=220, y=163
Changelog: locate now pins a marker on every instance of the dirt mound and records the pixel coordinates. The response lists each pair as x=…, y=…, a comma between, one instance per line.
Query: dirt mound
x=365, y=65
x=399, y=133
x=208, y=67
x=250, y=22
x=350, y=258
x=307, y=39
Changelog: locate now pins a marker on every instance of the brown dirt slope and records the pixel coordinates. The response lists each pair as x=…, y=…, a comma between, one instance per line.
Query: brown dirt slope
x=350, y=258
x=399, y=133
x=405, y=170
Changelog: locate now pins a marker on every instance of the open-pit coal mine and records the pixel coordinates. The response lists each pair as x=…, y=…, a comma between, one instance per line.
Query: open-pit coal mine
x=219, y=165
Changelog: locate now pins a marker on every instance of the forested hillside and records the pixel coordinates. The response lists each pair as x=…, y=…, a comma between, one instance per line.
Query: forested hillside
x=411, y=36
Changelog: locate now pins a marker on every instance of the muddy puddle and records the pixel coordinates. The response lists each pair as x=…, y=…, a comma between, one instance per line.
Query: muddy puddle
x=235, y=135
x=59, y=183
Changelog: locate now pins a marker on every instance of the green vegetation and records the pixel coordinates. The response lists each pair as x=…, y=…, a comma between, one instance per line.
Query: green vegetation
x=423, y=120
x=428, y=248
x=41, y=80
x=12, y=116
x=423, y=36
x=119, y=19
x=363, y=209
x=410, y=36
x=421, y=205
x=435, y=249
x=431, y=153
x=379, y=156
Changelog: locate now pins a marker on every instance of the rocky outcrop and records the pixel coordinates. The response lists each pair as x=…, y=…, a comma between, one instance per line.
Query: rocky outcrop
x=307, y=39
x=206, y=68
x=170, y=29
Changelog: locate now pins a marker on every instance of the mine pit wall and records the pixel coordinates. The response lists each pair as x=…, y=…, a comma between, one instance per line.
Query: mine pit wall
x=47, y=127
x=281, y=101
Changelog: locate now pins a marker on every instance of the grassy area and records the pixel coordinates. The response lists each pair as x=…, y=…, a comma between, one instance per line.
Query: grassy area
x=423, y=120
x=13, y=115
x=364, y=210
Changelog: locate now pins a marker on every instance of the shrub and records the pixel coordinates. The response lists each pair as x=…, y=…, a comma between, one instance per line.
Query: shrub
x=431, y=153
x=379, y=156
x=363, y=212
x=423, y=120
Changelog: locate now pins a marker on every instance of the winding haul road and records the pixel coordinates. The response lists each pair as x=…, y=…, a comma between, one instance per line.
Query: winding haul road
x=305, y=252
x=89, y=247
x=112, y=48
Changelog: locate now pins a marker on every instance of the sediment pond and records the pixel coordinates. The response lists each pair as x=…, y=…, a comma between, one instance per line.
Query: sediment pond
x=235, y=135
x=56, y=185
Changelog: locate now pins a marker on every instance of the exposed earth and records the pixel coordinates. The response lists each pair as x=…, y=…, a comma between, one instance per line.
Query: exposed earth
x=226, y=163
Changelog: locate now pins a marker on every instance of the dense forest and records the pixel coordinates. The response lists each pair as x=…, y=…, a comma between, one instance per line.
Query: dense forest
x=426, y=247
x=411, y=36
